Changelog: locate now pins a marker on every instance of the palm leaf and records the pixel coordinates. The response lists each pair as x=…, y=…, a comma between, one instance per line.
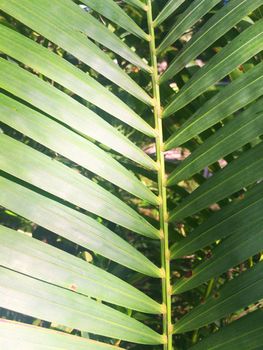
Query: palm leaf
x=63, y=306
x=59, y=268
x=71, y=39
x=244, y=333
x=67, y=75
x=230, y=220
x=217, y=26
x=80, y=98
x=241, y=130
x=113, y=12
x=72, y=225
x=233, y=97
x=226, y=182
x=186, y=20
x=240, y=292
x=238, y=51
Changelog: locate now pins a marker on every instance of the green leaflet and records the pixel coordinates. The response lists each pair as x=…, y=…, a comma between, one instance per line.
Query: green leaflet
x=244, y=128
x=53, y=26
x=242, y=291
x=235, y=249
x=232, y=219
x=243, y=171
x=238, y=51
x=247, y=88
x=72, y=225
x=82, y=21
x=114, y=13
x=167, y=11
x=48, y=302
x=52, y=176
x=59, y=70
x=218, y=25
x=69, y=144
x=67, y=110
x=44, y=262
x=56, y=68
x=15, y=335
x=245, y=333
x=196, y=10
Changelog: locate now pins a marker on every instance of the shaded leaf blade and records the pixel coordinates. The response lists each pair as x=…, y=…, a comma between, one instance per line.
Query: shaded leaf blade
x=238, y=293
x=243, y=171
x=247, y=88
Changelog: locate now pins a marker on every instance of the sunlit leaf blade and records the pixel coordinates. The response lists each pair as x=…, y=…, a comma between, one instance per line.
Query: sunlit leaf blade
x=232, y=251
x=136, y=3
x=243, y=171
x=167, y=11
x=114, y=13
x=55, y=28
x=82, y=21
x=51, y=303
x=232, y=219
x=236, y=133
x=236, y=294
x=72, y=225
x=69, y=144
x=196, y=10
x=67, y=110
x=15, y=335
x=56, y=68
x=54, y=177
x=238, y=51
x=213, y=29
x=44, y=262
x=245, y=333
x=238, y=94
x=67, y=75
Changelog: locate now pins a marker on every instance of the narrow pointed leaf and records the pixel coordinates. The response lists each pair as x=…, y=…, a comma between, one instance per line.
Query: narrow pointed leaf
x=213, y=29
x=48, y=302
x=53, y=26
x=72, y=225
x=59, y=70
x=232, y=219
x=236, y=294
x=15, y=335
x=53, y=177
x=243, y=171
x=238, y=94
x=246, y=333
x=167, y=11
x=114, y=13
x=234, y=250
x=239, y=131
x=56, y=68
x=81, y=20
x=62, y=107
x=69, y=144
x=195, y=11
x=238, y=51
x=44, y=262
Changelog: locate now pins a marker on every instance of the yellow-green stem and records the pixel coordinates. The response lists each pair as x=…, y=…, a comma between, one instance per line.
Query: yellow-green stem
x=165, y=252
